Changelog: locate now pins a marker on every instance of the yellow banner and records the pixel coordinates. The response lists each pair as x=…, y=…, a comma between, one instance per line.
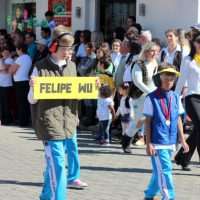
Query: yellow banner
x=65, y=88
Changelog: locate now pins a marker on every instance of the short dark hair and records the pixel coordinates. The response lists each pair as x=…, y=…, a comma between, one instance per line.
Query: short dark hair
x=49, y=13
x=90, y=45
x=3, y=32
x=19, y=33
x=31, y=34
x=133, y=18
x=105, y=61
x=125, y=85
x=22, y=47
x=87, y=36
x=138, y=27
x=135, y=48
x=46, y=30
x=8, y=47
x=105, y=91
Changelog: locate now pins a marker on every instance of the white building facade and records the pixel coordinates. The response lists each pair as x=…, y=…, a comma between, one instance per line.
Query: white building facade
x=95, y=15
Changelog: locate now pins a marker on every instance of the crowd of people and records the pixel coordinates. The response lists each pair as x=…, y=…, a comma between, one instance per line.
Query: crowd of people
x=133, y=69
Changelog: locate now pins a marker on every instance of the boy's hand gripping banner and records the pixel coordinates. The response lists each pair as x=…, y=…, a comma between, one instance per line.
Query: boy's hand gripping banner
x=65, y=87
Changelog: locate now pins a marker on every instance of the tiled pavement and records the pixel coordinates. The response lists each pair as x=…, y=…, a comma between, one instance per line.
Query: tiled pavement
x=111, y=175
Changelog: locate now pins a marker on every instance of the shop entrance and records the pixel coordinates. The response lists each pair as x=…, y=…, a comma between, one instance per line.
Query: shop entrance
x=114, y=13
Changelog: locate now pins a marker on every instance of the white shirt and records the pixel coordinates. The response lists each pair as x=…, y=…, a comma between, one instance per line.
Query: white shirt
x=31, y=100
x=24, y=61
x=127, y=77
x=148, y=107
x=103, y=111
x=169, y=57
x=122, y=109
x=137, y=77
x=148, y=111
x=190, y=75
x=116, y=58
x=6, y=78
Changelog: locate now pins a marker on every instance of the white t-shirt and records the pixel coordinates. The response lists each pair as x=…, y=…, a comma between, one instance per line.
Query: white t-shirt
x=5, y=78
x=24, y=61
x=103, y=111
x=190, y=76
x=148, y=111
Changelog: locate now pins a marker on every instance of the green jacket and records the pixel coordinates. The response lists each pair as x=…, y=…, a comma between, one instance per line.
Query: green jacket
x=55, y=119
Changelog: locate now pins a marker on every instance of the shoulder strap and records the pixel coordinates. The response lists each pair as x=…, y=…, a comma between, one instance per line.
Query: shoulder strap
x=144, y=70
x=162, y=57
x=132, y=65
x=177, y=59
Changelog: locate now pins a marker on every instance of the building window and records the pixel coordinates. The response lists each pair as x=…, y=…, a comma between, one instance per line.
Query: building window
x=23, y=15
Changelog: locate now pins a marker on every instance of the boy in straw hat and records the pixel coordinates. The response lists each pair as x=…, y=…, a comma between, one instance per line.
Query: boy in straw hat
x=162, y=109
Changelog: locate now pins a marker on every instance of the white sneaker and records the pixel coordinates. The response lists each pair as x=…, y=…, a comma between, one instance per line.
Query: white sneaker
x=78, y=184
x=140, y=142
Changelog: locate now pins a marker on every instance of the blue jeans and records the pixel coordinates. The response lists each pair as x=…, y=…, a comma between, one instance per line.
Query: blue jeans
x=104, y=130
x=161, y=179
x=62, y=148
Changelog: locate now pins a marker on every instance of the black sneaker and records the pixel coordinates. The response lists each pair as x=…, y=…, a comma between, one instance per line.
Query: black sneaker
x=127, y=150
x=186, y=168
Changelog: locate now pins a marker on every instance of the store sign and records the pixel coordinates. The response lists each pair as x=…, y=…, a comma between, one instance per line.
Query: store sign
x=65, y=88
x=62, y=10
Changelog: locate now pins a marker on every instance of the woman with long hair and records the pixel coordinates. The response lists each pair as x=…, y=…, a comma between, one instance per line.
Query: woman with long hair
x=142, y=72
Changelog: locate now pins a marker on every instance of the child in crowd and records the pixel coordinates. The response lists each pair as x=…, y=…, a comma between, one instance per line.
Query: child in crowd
x=5, y=85
x=105, y=113
x=104, y=74
x=125, y=108
x=162, y=109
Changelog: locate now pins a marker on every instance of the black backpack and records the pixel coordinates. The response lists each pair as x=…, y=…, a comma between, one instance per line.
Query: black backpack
x=134, y=91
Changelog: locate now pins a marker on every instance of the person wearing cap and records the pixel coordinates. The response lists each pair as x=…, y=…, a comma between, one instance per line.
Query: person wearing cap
x=55, y=121
x=162, y=110
x=190, y=75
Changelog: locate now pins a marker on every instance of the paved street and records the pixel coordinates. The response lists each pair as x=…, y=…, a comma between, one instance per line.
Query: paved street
x=110, y=174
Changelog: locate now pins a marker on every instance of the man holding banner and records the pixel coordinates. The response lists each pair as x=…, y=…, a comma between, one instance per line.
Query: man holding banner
x=55, y=121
